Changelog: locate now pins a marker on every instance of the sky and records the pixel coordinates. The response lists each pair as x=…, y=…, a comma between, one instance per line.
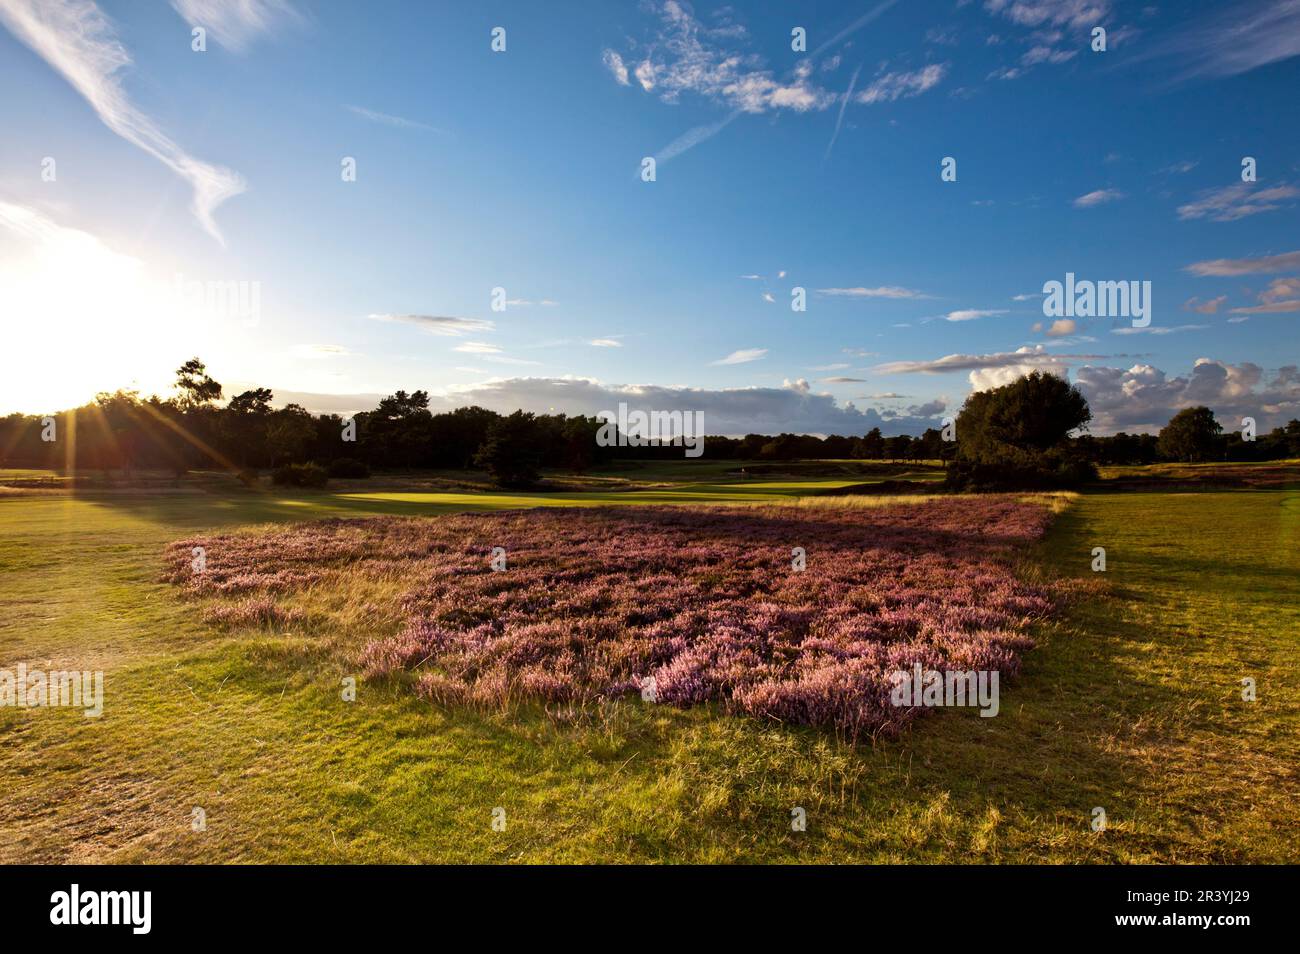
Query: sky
x=340, y=200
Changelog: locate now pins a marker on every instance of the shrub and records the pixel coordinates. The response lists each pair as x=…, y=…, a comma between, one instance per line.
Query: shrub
x=348, y=467
x=300, y=475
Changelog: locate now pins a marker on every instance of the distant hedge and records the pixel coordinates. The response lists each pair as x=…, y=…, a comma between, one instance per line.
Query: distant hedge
x=300, y=475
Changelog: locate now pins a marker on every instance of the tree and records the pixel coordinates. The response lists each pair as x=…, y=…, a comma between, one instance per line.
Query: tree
x=1016, y=436
x=197, y=389
x=1033, y=413
x=1191, y=435
x=512, y=453
x=244, y=423
x=397, y=432
x=289, y=433
x=873, y=445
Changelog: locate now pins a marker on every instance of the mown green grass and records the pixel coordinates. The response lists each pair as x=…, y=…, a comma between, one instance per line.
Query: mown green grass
x=1131, y=702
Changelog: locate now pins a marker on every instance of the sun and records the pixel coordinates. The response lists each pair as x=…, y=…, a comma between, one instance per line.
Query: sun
x=80, y=317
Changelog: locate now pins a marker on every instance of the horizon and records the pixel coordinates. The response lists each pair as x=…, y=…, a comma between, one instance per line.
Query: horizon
x=498, y=245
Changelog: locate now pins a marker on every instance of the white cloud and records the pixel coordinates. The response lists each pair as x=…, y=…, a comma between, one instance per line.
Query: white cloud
x=1046, y=54
x=445, y=325
x=614, y=63
x=970, y=314
x=1099, y=197
x=1280, y=297
x=605, y=343
x=79, y=42
x=1061, y=327
x=1077, y=14
x=477, y=347
x=686, y=57
x=743, y=356
x=1144, y=398
x=1236, y=201
x=235, y=23
x=1209, y=307
x=903, y=85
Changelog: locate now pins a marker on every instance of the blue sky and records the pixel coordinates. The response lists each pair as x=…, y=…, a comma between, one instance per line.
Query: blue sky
x=520, y=170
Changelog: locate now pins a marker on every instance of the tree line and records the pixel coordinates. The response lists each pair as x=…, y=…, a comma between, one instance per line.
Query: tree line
x=1035, y=422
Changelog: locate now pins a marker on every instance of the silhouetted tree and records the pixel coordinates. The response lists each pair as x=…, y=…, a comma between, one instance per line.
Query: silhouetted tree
x=1191, y=435
x=512, y=453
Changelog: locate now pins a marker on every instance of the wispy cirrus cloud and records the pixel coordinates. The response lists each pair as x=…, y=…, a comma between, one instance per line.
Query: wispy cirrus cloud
x=1236, y=201
x=477, y=347
x=1157, y=329
x=1028, y=357
x=1242, y=37
x=970, y=314
x=314, y=351
x=743, y=356
x=79, y=42
x=1231, y=267
x=881, y=291
x=236, y=23
x=388, y=119
x=444, y=325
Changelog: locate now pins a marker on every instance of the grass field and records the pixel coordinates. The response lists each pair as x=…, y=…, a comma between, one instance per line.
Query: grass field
x=1130, y=702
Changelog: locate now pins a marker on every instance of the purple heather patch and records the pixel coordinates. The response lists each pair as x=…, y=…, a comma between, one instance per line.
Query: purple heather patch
x=595, y=602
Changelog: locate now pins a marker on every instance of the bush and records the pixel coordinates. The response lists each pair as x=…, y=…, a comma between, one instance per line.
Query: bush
x=1019, y=472
x=348, y=467
x=300, y=475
